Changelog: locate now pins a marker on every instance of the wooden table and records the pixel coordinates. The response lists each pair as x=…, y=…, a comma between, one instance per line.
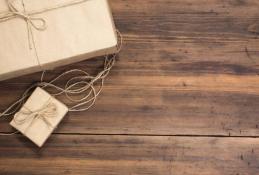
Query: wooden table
x=182, y=99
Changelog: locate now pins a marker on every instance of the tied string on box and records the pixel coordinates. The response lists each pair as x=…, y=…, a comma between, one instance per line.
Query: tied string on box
x=38, y=24
x=81, y=83
x=77, y=85
x=46, y=112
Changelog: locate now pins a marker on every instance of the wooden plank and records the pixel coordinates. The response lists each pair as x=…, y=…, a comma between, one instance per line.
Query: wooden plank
x=199, y=98
x=79, y=154
x=187, y=68
x=170, y=19
x=188, y=71
x=179, y=109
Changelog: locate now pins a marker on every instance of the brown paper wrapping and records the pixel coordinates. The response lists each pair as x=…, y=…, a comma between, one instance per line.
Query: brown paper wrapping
x=35, y=128
x=73, y=34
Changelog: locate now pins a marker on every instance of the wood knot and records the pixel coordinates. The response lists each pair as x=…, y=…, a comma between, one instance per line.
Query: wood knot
x=253, y=28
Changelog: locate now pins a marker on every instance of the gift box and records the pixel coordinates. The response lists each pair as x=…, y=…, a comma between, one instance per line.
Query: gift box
x=39, y=116
x=39, y=35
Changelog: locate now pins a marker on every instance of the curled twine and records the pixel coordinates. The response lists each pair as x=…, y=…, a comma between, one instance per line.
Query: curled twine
x=83, y=84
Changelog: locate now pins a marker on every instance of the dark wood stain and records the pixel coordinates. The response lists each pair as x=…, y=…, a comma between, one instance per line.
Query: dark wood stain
x=182, y=98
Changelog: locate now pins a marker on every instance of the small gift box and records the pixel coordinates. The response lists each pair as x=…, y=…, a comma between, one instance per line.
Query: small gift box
x=39, y=116
x=38, y=35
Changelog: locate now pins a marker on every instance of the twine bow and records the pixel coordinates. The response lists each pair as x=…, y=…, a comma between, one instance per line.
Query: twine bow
x=32, y=22
x=15, y=12
x=26, y=115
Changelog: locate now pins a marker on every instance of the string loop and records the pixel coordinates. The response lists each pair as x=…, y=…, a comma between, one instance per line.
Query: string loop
x=32, y=22
x=49, y=110
x=37, y=23
x=80, y=91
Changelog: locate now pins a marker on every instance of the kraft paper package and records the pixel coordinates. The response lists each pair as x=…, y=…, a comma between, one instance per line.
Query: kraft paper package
x=37, y=35
x=39, y=116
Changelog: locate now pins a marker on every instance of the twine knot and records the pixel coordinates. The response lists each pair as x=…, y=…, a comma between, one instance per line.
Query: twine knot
x=14, y=11
x=26, y=115
x=32, y=22
x=37, y=23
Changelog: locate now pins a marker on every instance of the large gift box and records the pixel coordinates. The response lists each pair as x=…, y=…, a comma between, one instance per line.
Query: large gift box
x=43, y=34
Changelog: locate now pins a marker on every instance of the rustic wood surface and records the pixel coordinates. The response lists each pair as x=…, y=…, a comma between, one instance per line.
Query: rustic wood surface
x=182, y=99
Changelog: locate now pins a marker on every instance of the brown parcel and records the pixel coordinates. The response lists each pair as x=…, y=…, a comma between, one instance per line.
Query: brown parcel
x=39, y=116
x=73, y=33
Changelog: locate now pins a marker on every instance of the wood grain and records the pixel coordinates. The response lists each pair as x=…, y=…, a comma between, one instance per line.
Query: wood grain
x=182, y=98
x=186, y=68
x=111, y=155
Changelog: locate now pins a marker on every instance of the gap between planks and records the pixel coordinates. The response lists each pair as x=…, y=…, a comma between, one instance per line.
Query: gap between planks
x=145, y=135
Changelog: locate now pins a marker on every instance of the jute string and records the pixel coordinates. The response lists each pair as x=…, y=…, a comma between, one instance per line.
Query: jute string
x=81, y=89
x=81, y=83
x=39, y=24
x=44, y=113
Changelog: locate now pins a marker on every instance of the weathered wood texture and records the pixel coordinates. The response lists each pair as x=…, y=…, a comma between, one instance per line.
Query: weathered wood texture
x=128, y=155
x=188, y=68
